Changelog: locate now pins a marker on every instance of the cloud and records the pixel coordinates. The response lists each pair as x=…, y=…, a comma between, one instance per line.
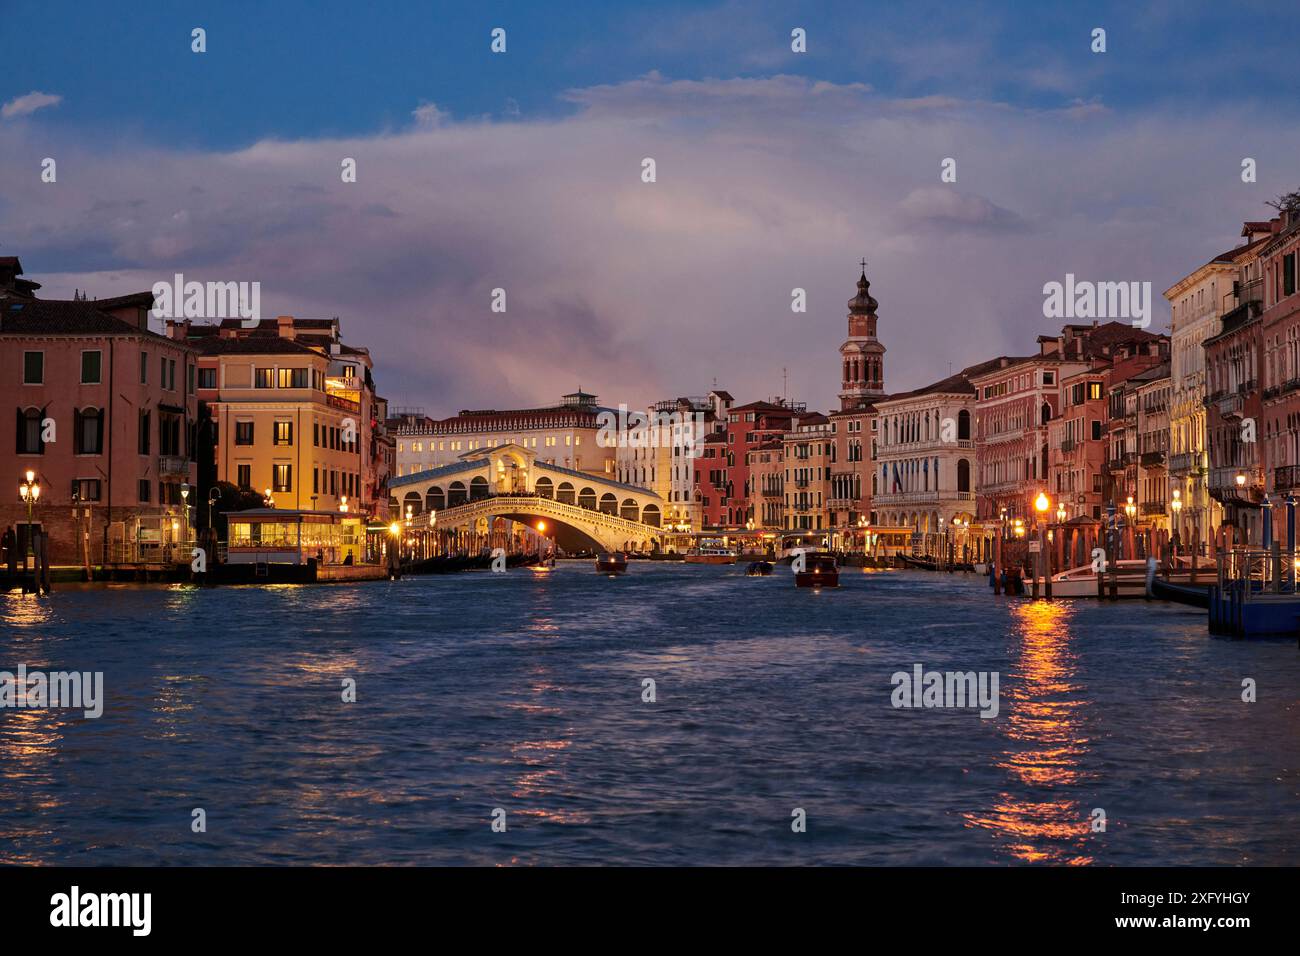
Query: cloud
x=28, y=104
x=640, y=291
x=943, y=207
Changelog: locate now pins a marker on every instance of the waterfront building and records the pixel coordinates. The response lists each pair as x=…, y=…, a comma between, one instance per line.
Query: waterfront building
x=808, y=452
x=1234, y=407
x=1279, y=260
x=662, y=456
x=1077, y=439
x=767, y=484
x=564, y=434
x=926, y=457
x=291, y=409
x=103, y=416
x=853, y=427
x=1197, y=303
x=1138, y=412
x=1153, y=392
x=1016, y=401
x=722, y=472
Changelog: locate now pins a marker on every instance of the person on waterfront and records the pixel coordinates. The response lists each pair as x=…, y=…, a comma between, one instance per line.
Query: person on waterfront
x=9, y=545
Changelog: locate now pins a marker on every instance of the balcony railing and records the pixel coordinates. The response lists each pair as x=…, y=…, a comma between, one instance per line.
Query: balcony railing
x=1223, y=482
x=172, y=465
x=1286, y=478
x=1151, y=459
x=1153, y=508
x=1184, y=462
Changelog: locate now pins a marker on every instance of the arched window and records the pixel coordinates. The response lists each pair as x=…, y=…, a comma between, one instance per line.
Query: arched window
x=1045, y=413
x=564, y=493
x=478, y=488
x=587, y=499
x=963, y=425
x=629, y=510
x=545, y=487
x=456, y=494
x=609, y=504
x=963, y=475
x=434, y=498
x=29, y=432
x=412, y=501
x=650, y=515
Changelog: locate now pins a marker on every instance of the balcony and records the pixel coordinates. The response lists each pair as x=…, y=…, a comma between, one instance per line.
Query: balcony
x=1244, y=293
x=1184, y=462
x=1286, y=478
x=1230, y=406
x=173, y=466
x=1068, y=445
x=1152, y=459
x=1224, y=487
x=1153, y=508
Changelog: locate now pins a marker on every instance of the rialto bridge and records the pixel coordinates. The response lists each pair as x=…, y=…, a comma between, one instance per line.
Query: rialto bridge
x=578, y=509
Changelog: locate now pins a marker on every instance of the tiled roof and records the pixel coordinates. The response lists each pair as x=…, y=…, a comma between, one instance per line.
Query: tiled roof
x=65, y=317
x=215, y=345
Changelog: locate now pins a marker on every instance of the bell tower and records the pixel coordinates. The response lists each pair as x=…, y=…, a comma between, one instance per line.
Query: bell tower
x=862, y=357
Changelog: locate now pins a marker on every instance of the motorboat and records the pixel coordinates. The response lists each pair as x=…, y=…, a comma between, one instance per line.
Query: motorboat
x=710, y=556
x=758, y=569
x=820, y=571
x=611, y=562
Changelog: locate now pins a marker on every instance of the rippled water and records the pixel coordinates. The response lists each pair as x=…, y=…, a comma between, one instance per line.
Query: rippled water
x=524, y=691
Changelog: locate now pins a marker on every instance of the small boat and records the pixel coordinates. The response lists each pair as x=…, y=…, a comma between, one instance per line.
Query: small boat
x=820, y=571
x=1129, y=576
x=611, y=562
x=1190, y=594
x=758, y=569
x=710, y=556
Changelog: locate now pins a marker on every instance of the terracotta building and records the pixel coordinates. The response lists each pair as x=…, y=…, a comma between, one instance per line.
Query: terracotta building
x=103, y=413
x=1280, y=429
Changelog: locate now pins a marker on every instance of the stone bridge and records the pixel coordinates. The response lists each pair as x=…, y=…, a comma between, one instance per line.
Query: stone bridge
x=580, y=510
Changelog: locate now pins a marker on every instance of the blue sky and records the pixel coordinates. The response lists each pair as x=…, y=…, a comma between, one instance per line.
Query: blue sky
x=776, y=170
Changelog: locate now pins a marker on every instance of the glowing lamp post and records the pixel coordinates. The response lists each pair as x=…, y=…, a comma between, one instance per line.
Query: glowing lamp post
x=1043, y=504
x=30, y=492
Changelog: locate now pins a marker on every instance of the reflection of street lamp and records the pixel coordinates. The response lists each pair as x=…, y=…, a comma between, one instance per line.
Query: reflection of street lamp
x=1130, y=509
x=1060, y=512
x=1177, y=506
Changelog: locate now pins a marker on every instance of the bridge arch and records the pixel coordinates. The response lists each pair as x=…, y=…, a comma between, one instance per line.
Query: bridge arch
x=456, y=494
x=629, y=510
x=412, y=501
x=435, y=499
x=650, y=515
x=587, y=499
x=545, y=487
x=564, y=493
x=609, y=503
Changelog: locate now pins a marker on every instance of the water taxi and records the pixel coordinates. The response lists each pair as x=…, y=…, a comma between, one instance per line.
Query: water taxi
x=710, y=556
x=820, y=571
x=611, y=562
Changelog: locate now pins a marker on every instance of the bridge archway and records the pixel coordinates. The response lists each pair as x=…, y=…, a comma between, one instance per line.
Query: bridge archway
x=609, y=503
x=587, y=499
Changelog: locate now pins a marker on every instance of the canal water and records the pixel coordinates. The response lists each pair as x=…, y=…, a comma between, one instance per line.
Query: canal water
x=524, y=692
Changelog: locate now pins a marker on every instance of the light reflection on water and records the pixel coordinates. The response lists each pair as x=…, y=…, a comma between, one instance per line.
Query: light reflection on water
x=524, y=691
x=1046, y=745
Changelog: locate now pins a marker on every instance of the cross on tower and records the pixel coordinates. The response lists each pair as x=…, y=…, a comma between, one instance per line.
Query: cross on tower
x=864, y=266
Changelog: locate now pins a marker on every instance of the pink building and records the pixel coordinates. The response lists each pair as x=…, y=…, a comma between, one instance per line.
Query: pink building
x=103, y=416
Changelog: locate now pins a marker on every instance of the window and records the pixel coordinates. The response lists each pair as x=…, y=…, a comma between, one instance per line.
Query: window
x=189, y=379
x=283, y=433
x=1049, y=378
x=88, y=431
x=1094, y=390
x=293, y=378
x=207, y=378
x=29, y=432
x=144, y=373
x=144, y=491
x=33, y=368
x=283, y=478
x=243, y=433
x=90, y=367
x=264, y=378
x=1096, y=430
x=144, y=433
x=244, y=476
x=1288, y=274
x=169, y=434
x=85, y=489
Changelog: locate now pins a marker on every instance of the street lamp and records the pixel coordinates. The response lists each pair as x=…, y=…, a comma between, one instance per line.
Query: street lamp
x=267, y=499
x=185, y=505
x=29, y=491
x=1241, y=479
x=1042, y=504
x=343, y=504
